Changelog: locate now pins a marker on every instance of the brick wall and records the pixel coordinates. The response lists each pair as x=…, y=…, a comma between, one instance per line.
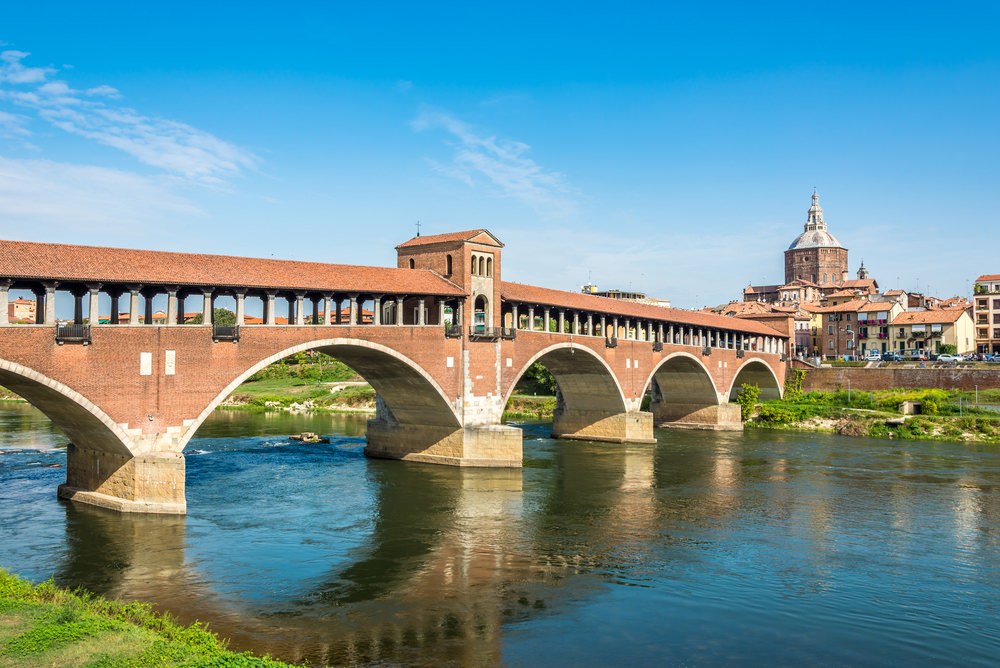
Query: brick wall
x=830, y=378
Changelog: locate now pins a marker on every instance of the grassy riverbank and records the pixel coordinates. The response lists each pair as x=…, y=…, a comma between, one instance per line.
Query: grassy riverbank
x=43, y=625
x=946, y=415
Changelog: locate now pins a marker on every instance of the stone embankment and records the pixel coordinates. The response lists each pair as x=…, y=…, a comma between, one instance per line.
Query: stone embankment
x=829, y=379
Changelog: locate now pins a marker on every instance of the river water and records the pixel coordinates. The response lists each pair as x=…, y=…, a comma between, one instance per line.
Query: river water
x=706, y=549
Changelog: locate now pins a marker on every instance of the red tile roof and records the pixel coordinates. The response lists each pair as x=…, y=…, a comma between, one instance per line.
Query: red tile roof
x=477, y=236
x=26, y=260
x=519, y=292
x=989, y=277
x=847, y=307
x=943, y=316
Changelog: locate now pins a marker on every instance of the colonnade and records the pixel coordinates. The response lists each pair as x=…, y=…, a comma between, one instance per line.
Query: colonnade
x=614, y=327
x=304, y=307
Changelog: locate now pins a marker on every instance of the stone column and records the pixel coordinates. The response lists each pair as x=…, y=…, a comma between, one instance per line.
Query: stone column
x=590, y=324
x=545, y=319
x=93, y=313
x=627, y=328
x=561, y=321
x=399, y=311
x=376, y=309
x=147, y=315
x=172, y=305
x=531, y=318
x=269, y=306
x=614, y=325
x=352, y=310
x=207, y=316
x=576, y=322
x=604, y=326
x=133, y=305
x=421, y=317
x=327, y=305
x=5, y=301
x=441, y=305
x=300, y=315
x=514, y=316
x=49, y=317
x=338, y=318
x=240, y=307
x=77, y=306
x=115, y=295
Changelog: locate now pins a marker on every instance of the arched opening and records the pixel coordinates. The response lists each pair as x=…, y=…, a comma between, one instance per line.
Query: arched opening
x=412, y=263
x=447, y=265
x=482, y=265
x=756, y=372
x=682, y=393
x=589, y=403
x=481, y=313
x=489, y=266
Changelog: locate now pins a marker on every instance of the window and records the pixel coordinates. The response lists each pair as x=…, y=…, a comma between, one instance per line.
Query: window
x=831, y=344
x=996, y=318
x=447, y=265
x=901, y=334
x=848, y=318
x=996, y=303
x=830, y=330
x=412, y=263
x=996, y=333
x=489, y=266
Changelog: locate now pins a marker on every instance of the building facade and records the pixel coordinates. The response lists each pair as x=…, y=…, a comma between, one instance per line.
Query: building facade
x=816, y=255
x=986, y=313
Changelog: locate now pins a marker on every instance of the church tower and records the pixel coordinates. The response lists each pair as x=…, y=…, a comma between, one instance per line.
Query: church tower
x=816, y=255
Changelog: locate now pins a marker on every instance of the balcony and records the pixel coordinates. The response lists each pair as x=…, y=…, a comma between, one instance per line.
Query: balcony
x=481, y=333
x=508, y=333
x=73, y=334
x=453, y=331
x=229, y=333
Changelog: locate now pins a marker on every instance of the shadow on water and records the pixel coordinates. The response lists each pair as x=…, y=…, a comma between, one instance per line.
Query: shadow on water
x=705, y=548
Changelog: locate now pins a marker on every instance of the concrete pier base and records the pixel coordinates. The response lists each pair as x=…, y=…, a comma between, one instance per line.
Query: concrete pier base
x=724, y=417
x=483, y=446
x=588, y=425
x=151, y=483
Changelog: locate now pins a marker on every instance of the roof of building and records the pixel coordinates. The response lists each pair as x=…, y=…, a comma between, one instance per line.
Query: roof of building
x=943, y=316
x=989, y=277
x=840, y=293
x=849, y=306
x=868, y=284
x=480, y=236
x=27, y=260
x=893, y=293
x=531, y=294
x=815, y=234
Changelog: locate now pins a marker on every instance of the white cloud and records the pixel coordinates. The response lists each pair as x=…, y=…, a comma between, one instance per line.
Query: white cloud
x=174, y=147
x=83, y=202
x=501, y=164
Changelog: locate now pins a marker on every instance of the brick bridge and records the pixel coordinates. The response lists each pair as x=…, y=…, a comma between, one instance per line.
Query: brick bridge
x=441, y=338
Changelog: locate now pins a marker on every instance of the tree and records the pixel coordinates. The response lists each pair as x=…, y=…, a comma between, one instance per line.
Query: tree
x=220, y=316
x=537, y=380
x=948, y=349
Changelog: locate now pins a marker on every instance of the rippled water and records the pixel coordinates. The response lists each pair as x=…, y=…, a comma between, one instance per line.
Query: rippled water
x=705, y=549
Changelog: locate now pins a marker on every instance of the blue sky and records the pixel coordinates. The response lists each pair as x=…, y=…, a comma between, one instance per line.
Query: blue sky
x=670, y=148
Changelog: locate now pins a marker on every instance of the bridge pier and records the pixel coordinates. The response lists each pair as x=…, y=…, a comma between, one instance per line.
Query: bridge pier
x=595, y=425
x=482, y=446
x=721, y=417
x=146, y=483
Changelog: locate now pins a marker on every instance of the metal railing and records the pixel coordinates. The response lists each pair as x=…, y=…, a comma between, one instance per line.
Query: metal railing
x=73, y=334
x=453, y=331
x=509, y=333
x=480, y=333
x=225, y=333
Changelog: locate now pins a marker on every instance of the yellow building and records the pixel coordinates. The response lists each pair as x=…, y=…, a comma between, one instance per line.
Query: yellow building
x=929, y=330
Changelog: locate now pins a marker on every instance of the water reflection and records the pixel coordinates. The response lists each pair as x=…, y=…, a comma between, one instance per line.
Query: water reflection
x=705, y=548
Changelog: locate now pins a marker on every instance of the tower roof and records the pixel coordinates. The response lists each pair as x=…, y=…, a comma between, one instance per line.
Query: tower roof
x=815, y=234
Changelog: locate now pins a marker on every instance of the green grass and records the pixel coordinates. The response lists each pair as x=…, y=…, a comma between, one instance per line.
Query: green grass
x=529, y=407
x=43, y=625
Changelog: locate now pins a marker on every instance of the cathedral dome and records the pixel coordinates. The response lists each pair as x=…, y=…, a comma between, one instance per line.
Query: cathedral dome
x=815, y=239
x=815, y=234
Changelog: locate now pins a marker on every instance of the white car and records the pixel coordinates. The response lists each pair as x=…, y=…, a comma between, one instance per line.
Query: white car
x=873, y=356
x=949, y=358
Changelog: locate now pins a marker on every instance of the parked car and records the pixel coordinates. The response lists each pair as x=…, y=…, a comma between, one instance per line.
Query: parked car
x=873, y=356
x=891, y=356
x=945, y=357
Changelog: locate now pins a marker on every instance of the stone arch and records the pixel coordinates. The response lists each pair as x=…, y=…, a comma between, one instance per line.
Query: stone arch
x=86, y=425
x=408, y=395
x=684, y=395
x=590, y=403
x=756, y=372
x=481, y=305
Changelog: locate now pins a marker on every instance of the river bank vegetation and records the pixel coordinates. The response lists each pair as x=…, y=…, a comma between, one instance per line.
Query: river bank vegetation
x=44, y=625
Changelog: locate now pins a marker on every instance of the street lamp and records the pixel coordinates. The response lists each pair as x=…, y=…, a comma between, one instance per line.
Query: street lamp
x=851, y=333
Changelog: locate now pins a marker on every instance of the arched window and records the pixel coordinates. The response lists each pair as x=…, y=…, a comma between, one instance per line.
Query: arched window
x=489, y=266
x=482, y=266
x=447, y=265
x=412, y=263
x=481, y=314
x=475, y=265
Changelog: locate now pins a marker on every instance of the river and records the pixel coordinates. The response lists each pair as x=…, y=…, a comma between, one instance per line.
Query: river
x=705, y=549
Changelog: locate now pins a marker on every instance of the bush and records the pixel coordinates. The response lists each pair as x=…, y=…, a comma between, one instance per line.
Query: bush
x=773, y=415
x=747, y=398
